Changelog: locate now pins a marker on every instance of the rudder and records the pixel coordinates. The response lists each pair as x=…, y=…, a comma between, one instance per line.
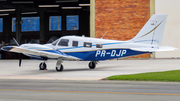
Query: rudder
x=152, y=31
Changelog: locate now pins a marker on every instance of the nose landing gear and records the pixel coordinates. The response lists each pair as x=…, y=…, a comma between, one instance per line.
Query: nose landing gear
x=42, y=66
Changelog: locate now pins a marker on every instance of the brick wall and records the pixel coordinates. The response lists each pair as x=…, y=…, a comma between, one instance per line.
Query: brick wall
x=121, y=18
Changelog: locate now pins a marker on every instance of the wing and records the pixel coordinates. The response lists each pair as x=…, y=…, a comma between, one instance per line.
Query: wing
x=39, y=50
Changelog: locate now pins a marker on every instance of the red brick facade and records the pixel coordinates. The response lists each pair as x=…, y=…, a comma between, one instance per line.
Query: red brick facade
x=121, y=18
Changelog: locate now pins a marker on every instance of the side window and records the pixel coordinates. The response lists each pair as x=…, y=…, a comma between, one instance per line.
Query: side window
x=64, y=42
x=75, y=43
x=99, y=45
x=87, y=44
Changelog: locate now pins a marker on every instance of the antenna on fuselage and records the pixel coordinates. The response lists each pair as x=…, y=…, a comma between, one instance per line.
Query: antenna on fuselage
x=104, y=34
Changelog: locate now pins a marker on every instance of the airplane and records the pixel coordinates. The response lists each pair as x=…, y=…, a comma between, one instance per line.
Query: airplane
x=95, y=49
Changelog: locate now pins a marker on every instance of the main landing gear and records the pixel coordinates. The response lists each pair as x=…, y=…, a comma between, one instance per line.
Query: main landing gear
x=59, y=66
x=92, y=64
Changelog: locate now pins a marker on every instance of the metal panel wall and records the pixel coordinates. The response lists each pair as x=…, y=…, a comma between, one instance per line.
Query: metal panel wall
x=172, y=29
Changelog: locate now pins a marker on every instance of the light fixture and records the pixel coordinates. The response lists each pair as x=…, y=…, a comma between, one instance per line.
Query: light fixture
x=22, y=2
x=48, y=5
x=5, y=10
x=4, y=14
x=64, y=1
x=84, y=4
x=71, y=7
x=29, y=13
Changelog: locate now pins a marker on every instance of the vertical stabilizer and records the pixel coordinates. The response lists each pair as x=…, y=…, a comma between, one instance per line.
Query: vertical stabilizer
x=152, y=31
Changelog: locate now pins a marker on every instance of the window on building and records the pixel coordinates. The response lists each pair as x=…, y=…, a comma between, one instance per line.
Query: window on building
x=1, y=24
x=55, y=23
x=28, y=24
x=75, y=43
x=13, y=24
x=99, y=45
x=64, y=42
x=87, y=44
x=72, y=22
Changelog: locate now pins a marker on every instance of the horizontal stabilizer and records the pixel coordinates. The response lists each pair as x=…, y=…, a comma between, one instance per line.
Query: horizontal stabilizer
x=166, y=48
x=160, y=49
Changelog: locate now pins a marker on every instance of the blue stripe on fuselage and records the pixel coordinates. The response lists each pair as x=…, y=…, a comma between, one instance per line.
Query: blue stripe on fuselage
x=105, y=54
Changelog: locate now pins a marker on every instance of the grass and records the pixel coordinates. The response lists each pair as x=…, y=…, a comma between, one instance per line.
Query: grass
x=167, y=76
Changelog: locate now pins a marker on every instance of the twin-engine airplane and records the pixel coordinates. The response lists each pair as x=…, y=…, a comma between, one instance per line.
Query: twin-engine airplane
x=93, y=49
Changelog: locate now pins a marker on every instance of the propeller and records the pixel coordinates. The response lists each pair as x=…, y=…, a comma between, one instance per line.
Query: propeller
x=16, y=41
x=20, y=54
x=20, y=59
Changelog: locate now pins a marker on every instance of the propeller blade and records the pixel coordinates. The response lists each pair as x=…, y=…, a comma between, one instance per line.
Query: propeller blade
x=20, y=59
x=16, y=41
x=20, y=54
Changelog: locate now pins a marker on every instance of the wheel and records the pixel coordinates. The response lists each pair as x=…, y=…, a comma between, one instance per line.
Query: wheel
x=92, y=65
x=60, y=69
x=42, y=66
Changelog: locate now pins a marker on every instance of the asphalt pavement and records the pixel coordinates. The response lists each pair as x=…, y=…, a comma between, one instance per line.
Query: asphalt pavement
x=78, y=83
x=60, y=90
x=80, y=71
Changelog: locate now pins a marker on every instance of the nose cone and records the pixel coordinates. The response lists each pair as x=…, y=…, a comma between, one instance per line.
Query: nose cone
x=7, y=48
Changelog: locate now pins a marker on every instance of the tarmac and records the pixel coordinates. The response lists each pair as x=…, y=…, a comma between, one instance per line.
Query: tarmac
x=78, y=83
x=62, y=90
x=79, y=70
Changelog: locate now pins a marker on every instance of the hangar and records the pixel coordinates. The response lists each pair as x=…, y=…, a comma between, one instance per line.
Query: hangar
x=40, y=20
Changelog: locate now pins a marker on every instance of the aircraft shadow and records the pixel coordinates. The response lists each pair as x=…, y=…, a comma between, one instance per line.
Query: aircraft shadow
x=50, y=71
x=34, y=72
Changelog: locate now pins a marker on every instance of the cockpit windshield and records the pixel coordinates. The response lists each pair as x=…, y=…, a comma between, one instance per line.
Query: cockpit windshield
x=55, y=42
x=63, y=42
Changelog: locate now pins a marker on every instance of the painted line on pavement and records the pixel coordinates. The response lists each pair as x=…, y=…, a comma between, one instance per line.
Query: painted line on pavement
x=90, y=92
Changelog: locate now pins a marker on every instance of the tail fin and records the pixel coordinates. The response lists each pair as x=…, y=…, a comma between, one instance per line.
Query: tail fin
x=152, y=32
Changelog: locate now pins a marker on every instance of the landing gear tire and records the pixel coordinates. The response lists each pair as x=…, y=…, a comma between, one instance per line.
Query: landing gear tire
x=60, y=69
x=42, y=66
x=92, y=65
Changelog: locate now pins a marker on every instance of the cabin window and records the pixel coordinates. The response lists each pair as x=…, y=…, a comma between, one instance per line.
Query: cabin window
x=87, y=44
x=55, y=42
x=64, y=42
x=75, y=43
x=99, y=45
